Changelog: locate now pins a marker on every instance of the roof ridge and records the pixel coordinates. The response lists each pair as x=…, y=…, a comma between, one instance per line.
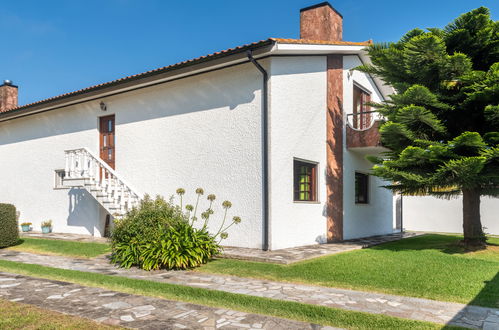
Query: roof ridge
x=323, y=42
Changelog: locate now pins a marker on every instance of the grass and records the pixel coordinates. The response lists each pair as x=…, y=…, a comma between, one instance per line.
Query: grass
x=284, y=309
x=60, y=247
x=22, y=316
x=430, y=266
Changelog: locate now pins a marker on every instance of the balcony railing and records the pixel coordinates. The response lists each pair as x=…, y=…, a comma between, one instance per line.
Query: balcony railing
x=362, y=121
x=362, y=132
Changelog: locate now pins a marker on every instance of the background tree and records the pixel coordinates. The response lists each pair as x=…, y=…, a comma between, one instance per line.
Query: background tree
x=442, y=125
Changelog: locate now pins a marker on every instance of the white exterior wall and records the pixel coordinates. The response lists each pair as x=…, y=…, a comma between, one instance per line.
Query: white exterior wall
x=201, y=131
x=376, y=217
x=30, y=150
x=428, y=213
x=298, y=130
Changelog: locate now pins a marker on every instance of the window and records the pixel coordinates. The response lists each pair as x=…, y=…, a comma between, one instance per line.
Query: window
x=362, y=117
x=59, y=176
x=361, y=188
x=305, y=181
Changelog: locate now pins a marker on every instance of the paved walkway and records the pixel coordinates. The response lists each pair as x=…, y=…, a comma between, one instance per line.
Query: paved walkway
x=132, y=311
x=283, y=256
x=400, y=306
x=65, y=237
x=292, y=255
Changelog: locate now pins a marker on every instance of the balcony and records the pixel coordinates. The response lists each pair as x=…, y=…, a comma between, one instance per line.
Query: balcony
x=362, y=133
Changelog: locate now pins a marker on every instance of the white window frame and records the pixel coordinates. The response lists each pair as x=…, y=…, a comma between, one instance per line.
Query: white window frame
x=58, y=179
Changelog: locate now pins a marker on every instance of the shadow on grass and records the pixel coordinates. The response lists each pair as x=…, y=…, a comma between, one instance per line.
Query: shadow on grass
x=449, y=244
x=489, y=295
x=19, y=242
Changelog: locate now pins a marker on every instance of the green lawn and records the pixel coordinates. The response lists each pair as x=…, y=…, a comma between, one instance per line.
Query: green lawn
x=60, y=247
x=23, y=316
x=285, y=309
x=430, y=266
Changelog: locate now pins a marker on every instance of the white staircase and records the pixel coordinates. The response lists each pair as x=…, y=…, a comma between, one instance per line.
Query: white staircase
x=84, y=169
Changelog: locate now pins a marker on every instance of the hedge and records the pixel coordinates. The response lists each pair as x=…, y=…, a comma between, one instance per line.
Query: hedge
x=9, y=232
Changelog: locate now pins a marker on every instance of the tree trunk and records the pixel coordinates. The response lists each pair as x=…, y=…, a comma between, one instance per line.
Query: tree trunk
x=472, y=226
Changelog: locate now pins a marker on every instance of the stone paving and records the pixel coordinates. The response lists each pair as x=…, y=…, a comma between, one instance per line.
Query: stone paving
x=292, y=255
x=399, y=306
x=282, y=256
x=132, y=311
x=65, y=237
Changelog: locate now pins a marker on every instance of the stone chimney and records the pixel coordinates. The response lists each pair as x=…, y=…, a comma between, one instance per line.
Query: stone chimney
x=321, y=22
x=8, y=96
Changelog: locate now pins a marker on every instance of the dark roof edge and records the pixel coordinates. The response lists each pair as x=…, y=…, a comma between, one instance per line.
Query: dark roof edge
x=198, y=60
x=325, y=3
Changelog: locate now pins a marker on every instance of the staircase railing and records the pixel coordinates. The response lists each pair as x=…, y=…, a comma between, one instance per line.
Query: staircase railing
x=81, y=163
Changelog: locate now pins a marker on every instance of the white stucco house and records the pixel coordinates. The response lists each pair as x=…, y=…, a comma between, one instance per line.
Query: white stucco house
x=278, y=127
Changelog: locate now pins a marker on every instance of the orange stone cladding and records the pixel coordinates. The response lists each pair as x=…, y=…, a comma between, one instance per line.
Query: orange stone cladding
x=321, y=22
x=334, y=148
x=8, y=97
x=370, y=137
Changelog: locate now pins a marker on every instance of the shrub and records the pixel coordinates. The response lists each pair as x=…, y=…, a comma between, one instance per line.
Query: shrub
x=146, y=220
x=47, y=223
x=9, y=233
x=157, y=234
x=179, y=246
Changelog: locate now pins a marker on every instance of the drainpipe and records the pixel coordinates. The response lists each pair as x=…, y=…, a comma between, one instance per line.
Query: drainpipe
x=265, y=155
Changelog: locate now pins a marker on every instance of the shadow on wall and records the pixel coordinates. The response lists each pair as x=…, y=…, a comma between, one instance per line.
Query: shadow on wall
x=334, y=173
x=80, y=215
x=181, y=97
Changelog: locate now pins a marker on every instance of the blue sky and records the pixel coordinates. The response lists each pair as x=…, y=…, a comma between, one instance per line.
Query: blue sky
x=53, y=47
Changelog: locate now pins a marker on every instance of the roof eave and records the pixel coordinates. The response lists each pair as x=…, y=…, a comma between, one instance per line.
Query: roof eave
x=149, y=78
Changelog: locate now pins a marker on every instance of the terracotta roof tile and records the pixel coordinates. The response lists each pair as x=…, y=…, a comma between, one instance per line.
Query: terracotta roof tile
x=322, y=42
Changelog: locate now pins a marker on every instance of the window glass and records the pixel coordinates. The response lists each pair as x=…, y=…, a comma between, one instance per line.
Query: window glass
x=361, y=188
x=305, y=181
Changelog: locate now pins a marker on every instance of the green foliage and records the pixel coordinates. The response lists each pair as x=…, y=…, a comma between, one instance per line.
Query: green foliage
x=157, y=234
x=47, y=223
x=443, y=124
x=147, y=220
x=9, y=232
x=179, y=246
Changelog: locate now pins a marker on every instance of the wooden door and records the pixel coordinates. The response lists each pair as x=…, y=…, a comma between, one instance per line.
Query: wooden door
x=107, y=140
x=362, y=117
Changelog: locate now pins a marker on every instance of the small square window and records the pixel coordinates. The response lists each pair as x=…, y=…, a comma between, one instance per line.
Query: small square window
x=58, y=179
x=305, y=181
x=361, y=188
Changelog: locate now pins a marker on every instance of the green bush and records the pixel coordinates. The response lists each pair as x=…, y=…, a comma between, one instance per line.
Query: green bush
x=9, y=232
x=157, y=235
x=147, y=220
x=179, y=246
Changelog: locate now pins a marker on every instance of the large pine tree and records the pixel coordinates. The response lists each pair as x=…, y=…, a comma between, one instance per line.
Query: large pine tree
x=442, y=125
